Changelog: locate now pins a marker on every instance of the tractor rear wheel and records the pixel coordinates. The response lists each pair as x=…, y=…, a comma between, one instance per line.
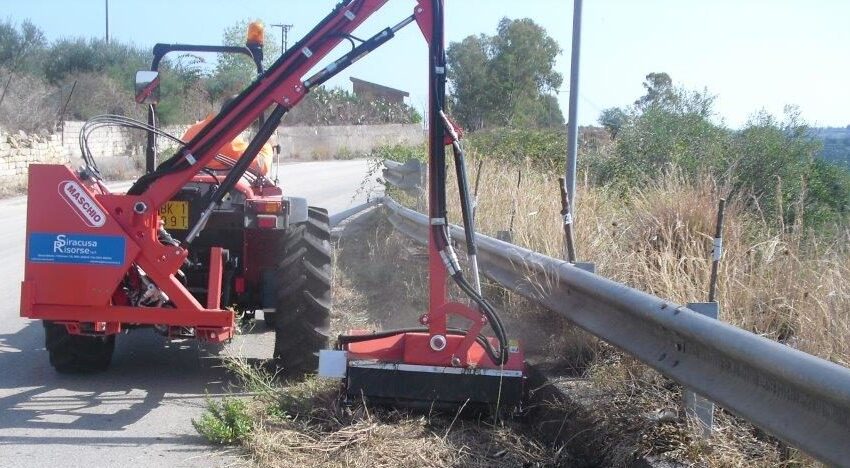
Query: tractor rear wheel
x=77, y=353
x=302, y=318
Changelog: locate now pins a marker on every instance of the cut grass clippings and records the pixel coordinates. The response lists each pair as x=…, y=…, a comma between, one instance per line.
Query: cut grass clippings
x=303, y=423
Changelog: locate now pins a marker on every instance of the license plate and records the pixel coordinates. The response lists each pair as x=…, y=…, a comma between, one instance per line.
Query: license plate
x=175, y=214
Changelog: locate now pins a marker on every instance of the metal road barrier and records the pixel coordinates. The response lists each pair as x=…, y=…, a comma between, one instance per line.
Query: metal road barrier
x=795, y=396
x=337, y=218
x=409, y=176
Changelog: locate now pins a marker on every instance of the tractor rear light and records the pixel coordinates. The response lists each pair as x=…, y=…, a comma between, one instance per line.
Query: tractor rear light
x=267, y=206
x=266, y=221
x=239, y=285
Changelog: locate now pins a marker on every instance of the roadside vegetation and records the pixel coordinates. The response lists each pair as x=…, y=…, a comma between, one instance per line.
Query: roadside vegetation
x=43, y=83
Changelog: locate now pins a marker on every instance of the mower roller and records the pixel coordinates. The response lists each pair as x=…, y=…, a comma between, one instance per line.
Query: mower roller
x=99, y=263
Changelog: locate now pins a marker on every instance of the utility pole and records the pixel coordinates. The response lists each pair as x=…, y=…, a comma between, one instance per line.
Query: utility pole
x=107, y=21
x=284, y=32
x=572, y=123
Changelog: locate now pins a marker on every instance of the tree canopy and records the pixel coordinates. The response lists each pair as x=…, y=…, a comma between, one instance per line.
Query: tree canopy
x=44, y=82
x=507, y=79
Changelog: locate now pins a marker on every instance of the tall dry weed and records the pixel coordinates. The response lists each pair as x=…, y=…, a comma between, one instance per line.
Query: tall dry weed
x=788, y=286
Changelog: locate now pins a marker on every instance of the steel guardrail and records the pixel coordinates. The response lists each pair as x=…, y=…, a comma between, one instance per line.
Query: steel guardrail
x=795, y=396
x=337, y=218
x=409, y=176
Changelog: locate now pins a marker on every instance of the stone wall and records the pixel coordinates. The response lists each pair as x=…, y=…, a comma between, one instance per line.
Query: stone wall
x=120, y=153
x=344, y=140
x=18, y=150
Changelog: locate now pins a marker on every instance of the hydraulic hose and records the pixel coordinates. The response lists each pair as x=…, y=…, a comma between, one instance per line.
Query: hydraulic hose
x=438, y=212
x=465, y=202
x=110, y=120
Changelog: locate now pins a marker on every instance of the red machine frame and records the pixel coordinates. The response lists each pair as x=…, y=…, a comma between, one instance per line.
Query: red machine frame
x=85, y=296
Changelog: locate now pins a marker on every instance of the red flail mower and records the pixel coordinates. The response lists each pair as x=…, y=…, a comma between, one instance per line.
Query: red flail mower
x=99, y=263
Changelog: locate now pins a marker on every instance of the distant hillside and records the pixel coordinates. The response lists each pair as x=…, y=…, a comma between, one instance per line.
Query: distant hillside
x=836, y=143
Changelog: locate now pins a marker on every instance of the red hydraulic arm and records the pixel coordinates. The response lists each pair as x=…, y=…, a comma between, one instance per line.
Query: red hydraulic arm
x=280, y=85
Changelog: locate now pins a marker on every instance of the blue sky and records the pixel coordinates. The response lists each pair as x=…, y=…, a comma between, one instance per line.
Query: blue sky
x=752, y=54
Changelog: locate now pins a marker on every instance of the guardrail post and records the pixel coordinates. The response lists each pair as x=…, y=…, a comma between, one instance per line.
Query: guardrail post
x=697, y=406
x=508, y=236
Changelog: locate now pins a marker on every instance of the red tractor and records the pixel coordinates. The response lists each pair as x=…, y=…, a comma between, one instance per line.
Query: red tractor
x=272, y=252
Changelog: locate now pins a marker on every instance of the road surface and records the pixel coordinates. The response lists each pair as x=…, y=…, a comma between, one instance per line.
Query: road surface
x=139, y=412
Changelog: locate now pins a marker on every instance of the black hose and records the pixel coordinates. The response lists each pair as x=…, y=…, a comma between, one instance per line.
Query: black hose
x=465, y=205
x=109, y=120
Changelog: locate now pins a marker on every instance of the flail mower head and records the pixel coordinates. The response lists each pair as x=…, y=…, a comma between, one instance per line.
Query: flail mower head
x=436, y=366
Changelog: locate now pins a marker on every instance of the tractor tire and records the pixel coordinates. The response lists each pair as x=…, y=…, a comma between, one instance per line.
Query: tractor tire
x=72, y=354
x=302, y=317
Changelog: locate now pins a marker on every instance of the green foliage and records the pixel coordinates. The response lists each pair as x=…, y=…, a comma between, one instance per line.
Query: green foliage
x=233, y=72
x=505, y=80
x=775, y=161
x=671, y=135
x=21, y=48
x=769, y=164
x=226, y=422
x=400, y=153
x=828, y=193
x=41, y=77
x=70, y=56
x=468, y=73
x=659, y=92
x=235, y=35
x=545, y=148
x=613, y=119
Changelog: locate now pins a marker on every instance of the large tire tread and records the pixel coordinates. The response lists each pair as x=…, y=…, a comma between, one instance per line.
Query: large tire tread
x=304, y=298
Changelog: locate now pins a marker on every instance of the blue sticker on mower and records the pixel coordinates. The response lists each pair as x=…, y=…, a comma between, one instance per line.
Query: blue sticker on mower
x=80, y=249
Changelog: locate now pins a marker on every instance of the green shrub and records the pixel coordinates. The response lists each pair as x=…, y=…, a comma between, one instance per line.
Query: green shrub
x=774, y=161
x=225, y=422
x=828, y=193
x=676, y=134
x=399, y=153
x=544, y=148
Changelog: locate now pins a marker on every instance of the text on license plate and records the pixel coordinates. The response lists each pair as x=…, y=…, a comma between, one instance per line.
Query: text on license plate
x=175, y=214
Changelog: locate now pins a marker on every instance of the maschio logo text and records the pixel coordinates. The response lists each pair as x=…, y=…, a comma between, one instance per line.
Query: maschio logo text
x=82, y=203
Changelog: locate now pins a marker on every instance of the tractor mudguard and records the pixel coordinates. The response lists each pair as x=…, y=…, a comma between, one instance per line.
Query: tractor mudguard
x=297, y=210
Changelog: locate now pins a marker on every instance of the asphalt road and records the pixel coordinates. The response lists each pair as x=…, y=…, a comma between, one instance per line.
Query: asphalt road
x=138, y=413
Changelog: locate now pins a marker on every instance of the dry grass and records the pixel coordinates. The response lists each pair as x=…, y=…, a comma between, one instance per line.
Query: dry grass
x=790, y=287
x=300, y=424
